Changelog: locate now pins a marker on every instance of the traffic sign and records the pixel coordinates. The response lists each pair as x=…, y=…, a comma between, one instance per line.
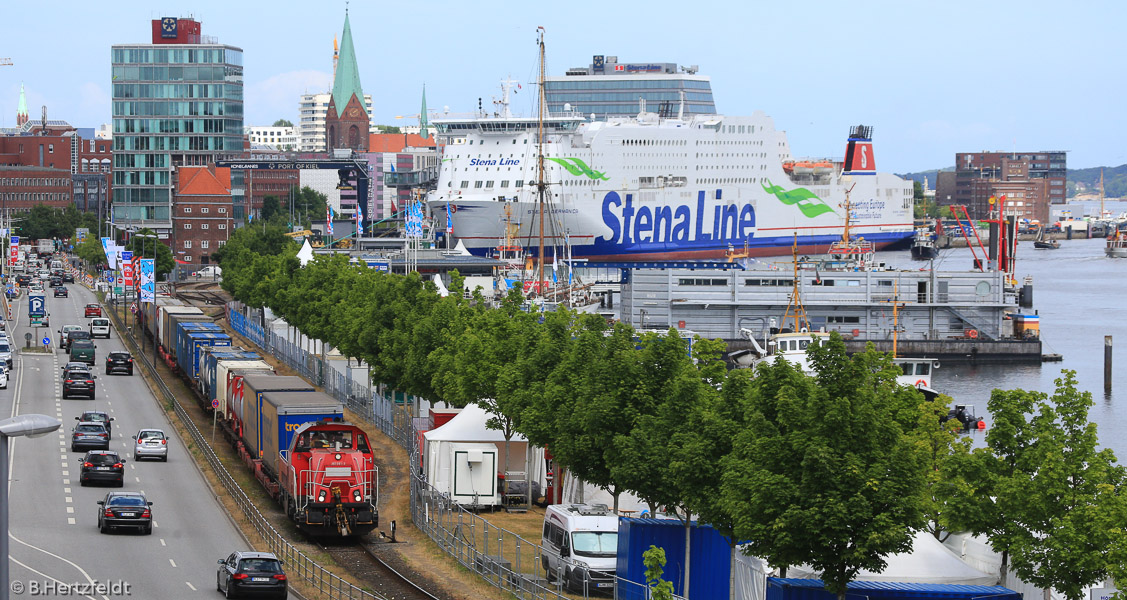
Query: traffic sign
x=36, y=306
x=46, y=341
x=109, y=279
x=119, y=290
x=215, y=403
x=133, y=307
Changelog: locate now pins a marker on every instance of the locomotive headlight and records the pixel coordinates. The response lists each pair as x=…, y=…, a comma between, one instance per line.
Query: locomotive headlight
x=356, y=497
x=338, y=456
x=321, y=496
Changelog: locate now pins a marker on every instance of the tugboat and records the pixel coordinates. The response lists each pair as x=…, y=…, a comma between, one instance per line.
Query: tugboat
x=923, y=245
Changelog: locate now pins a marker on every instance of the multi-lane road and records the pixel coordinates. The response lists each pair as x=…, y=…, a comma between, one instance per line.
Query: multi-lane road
x=54, y=536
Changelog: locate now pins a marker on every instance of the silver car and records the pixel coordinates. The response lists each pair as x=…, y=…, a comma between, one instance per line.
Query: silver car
x=150, y=443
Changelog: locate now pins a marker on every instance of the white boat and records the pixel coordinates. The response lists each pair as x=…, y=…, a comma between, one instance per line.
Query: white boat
x=653, y=188
x=1116, y=245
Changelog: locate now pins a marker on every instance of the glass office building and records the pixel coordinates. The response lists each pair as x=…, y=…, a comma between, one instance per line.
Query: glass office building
x=174, y=104
x=608, y=88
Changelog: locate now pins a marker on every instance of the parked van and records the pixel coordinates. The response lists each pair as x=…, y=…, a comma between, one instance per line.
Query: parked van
x=581, y=546
x=100, y=327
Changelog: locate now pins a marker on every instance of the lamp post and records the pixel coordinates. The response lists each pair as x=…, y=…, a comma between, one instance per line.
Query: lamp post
x=18, y=426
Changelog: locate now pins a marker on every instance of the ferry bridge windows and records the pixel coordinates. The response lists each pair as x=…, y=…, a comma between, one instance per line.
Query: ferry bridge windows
x=489, y=184
x=465, y=184
x=842, y=320
x=477, y=184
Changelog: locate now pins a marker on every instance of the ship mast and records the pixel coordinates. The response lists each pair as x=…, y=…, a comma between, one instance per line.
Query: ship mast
x=1101, y=194
x=798, y=314
x=541, y=185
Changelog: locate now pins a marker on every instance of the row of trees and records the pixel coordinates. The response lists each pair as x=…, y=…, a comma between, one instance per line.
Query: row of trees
x=836, y=471
x=92, y=252
x=44, y=222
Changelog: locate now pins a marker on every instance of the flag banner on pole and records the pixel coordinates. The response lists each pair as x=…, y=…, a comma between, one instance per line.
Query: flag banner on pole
x=15, y=251
x=329, y=220
x=415, y=220
x=127, y=268
x=359, y=219
x=148, y=287
x=449, y=223
x=137, y=273
x=555, y=264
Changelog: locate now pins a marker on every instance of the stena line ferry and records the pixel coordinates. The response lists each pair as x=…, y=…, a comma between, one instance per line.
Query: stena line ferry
x=656, y=188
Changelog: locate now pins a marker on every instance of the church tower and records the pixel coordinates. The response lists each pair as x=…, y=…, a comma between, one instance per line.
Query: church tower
x=21, y=109
x=346, y=121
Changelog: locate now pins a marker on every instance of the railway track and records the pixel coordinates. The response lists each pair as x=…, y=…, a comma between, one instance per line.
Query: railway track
x=363, y=560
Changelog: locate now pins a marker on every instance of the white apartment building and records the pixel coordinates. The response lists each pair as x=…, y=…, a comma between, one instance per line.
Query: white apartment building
x=282, y=138
x=311, y=120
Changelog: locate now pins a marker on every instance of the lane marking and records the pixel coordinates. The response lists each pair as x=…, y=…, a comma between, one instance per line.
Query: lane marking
x=70, y=510
x=162, y=542
x=66, y=490
x=173, y=562
x=71, y=521
x=138, y=479
x=68, y=499
x=190, y=585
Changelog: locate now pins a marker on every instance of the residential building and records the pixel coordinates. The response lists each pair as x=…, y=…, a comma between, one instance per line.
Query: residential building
x=311, y=121
x=347, y=118
x=177, y=101
x=1030, y=181
x=202, y=215
x=608, y=88
x=281, y=138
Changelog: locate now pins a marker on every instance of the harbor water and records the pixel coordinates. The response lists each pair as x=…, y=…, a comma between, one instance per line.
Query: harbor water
x=1081, y=297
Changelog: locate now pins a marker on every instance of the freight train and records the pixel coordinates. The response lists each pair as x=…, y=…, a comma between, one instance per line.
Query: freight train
x=292, y=437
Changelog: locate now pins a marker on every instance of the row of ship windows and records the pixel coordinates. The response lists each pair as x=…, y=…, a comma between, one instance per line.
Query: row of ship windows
x=647, y=181
x=639, y=84
x=696, y=282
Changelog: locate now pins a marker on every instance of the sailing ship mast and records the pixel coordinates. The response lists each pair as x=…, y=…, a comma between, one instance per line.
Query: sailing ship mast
x=798, y=314
x=541, y=184
x=1101, y=194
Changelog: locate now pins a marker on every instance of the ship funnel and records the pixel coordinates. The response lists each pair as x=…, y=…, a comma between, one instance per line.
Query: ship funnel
x=859, y=151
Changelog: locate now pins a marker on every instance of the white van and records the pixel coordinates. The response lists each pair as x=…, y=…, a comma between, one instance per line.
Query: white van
x=581, y=546
x=100, y=327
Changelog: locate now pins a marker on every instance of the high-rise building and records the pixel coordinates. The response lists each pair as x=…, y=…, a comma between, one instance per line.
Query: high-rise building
x=608, y=88
x=346, y=120
x=1030, y=181
x=177, y=101
x=311, y=120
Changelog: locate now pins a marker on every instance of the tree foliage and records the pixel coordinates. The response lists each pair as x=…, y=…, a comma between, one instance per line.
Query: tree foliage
x=283, y=123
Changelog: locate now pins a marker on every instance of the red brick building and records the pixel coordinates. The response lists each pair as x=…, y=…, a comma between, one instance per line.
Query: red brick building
x=261, y=183
x=65, y=150
x=346, y=121
x=201, y=213
x=22, y=187
x=1031, y=182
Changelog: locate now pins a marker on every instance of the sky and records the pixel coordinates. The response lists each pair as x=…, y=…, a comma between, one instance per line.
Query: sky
x=932, y=78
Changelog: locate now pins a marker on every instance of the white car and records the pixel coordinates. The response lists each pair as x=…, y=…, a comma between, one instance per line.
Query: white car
x=100, y=327
x=3, y=378
x=150, y=443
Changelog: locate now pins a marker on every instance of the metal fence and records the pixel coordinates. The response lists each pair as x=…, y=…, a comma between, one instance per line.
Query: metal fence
x=298, y=563
x=500, y=557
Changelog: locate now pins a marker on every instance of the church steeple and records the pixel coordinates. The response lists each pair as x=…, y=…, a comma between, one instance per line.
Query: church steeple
x=347, y=119
x=21, y=109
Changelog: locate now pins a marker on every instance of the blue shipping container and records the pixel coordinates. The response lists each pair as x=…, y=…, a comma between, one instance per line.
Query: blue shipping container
x=709, y=554
x=812, y=589
x=210, y=361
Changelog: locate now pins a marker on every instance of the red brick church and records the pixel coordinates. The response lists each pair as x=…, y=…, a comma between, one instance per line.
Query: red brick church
x=346, y=122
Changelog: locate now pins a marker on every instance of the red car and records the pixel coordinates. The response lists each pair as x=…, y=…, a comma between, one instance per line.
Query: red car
x=93, y=310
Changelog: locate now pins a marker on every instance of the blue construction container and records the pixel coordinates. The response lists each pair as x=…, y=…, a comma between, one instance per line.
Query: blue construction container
x=812, y=589
x=710, y=557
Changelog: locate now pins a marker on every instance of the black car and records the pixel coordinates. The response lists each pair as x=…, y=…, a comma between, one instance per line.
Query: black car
x=97, y=416
x=102, y=466
x=79, y=383
x=55, y=282
x=61, y=292
x=251, y=573
x=125, y=509
x=68, y=277
x=119, y=361
x=89, y=436
x=23, y=280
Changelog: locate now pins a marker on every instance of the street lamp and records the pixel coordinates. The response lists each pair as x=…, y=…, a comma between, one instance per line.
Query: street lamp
x=17, y=426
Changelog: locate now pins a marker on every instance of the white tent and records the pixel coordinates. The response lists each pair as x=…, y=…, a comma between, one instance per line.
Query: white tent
x=305, y=254
x=450, y=452
x=928, y=562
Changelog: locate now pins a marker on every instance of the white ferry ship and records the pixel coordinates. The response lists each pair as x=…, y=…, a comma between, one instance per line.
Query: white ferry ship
x=657, y=188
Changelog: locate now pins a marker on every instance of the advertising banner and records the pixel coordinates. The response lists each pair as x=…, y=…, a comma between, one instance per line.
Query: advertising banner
x=127, y=268
x=148, y=280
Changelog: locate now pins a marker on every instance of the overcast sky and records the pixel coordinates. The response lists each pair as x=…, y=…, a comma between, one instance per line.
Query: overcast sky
x=932, y=78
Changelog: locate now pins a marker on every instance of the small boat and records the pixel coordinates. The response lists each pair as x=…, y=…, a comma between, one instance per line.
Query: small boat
x=1116, y=245
x=964, y=414
x=1042, y=244
x=923, y=245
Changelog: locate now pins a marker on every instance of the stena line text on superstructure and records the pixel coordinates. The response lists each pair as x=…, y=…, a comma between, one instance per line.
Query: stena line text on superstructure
x=631, y=224
x=500, y=162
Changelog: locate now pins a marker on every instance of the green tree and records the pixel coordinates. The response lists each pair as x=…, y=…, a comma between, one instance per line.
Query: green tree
x=309, y=204
x=283, y=123
x=91, y=251
x=946, y=454
x=271, y=208
x=827, y=472
x=654, y=560
x=1046, y=496
x=388, y=129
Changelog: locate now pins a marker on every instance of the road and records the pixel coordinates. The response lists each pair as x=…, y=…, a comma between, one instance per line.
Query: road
x=54, y=536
